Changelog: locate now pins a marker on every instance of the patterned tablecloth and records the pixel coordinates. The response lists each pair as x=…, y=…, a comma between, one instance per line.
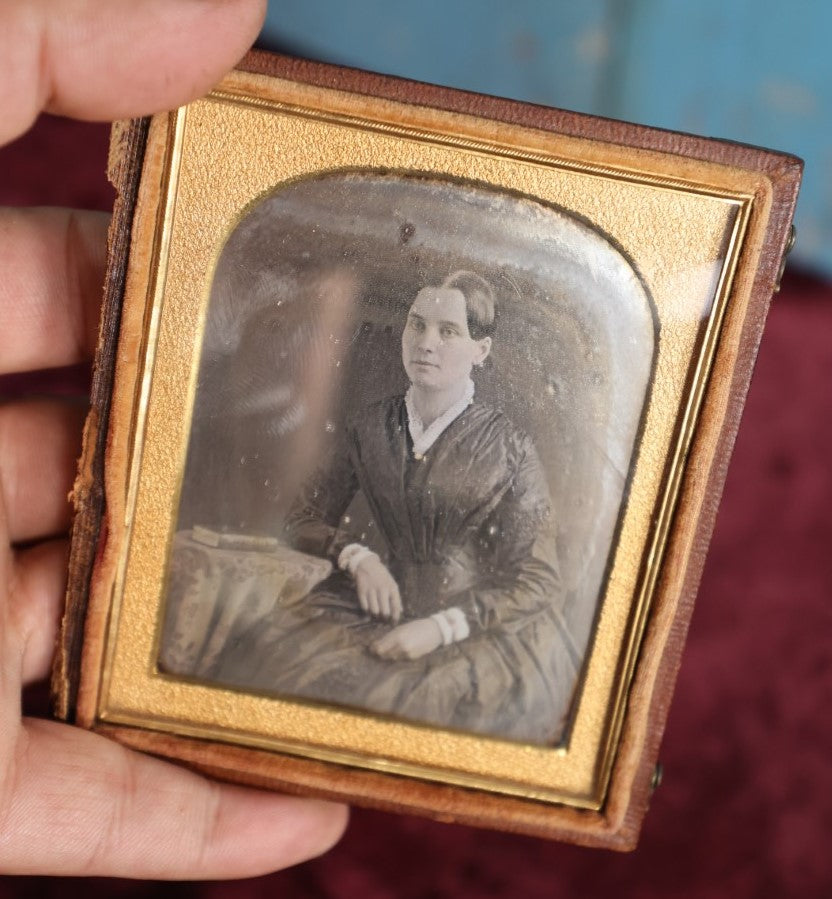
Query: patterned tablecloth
x=215, y=595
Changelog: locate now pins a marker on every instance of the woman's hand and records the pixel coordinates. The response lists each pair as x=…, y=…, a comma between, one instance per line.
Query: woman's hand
x=409, y=641
x=72, y=802
x=377, y=590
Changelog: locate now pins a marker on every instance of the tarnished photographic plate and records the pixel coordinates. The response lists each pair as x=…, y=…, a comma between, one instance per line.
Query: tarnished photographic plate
x=411, y=415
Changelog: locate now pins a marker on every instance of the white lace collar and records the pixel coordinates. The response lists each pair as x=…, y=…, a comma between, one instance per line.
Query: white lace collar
x=423, y=438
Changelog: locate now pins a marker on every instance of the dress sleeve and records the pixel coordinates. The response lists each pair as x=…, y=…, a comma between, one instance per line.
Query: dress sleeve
x=312, y=524
x=515, y=584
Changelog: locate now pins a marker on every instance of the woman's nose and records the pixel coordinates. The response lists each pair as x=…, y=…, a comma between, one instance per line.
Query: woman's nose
x=427, y=339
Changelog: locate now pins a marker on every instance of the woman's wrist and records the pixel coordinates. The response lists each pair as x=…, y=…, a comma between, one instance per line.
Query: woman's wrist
x=352, y=555
x=452, y=624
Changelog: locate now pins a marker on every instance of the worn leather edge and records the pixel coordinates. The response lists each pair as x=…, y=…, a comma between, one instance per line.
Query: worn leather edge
x=127, y=144
x=705, y=474
x=514, y=112
x=149, y=208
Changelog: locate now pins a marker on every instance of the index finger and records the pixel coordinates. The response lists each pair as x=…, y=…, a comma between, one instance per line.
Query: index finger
x=52, y=262
x=113, y=59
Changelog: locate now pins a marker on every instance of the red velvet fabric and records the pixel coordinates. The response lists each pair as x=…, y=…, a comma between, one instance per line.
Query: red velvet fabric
x=745, y=810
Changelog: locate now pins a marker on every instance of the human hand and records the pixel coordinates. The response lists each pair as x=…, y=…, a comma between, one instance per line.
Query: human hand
x=72, y=802
x=378, y=592
x=409, y=641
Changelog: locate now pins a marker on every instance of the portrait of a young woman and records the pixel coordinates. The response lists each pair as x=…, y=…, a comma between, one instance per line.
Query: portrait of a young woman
x=412, y=431
x=458, y=624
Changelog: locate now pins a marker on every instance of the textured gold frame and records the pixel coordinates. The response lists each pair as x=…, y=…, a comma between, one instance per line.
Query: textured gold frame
x=203, y=167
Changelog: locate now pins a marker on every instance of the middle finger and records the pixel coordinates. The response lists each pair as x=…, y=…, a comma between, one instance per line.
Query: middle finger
x=39, y=443
x=384, y=603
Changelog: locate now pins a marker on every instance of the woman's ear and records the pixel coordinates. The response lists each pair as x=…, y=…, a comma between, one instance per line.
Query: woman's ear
x=484, y=348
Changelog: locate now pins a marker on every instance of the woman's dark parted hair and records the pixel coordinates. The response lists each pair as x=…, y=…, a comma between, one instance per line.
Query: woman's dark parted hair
x=480, y=306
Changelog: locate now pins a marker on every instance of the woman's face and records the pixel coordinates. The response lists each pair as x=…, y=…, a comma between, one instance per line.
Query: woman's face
x=437, y=348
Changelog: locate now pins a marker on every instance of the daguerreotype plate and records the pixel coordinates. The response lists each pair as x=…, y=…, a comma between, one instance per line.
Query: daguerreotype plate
x=411, y=415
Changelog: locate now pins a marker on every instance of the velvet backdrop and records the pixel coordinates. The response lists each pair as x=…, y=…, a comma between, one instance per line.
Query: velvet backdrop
x=745, y=809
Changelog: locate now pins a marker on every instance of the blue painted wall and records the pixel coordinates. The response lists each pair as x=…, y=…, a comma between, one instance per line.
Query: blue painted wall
x=756, y=71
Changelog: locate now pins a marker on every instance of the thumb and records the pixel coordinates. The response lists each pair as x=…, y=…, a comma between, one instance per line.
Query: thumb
x=112, y=59
x=72, y=802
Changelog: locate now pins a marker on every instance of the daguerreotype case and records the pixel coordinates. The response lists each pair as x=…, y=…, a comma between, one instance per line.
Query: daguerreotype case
x=411, y=414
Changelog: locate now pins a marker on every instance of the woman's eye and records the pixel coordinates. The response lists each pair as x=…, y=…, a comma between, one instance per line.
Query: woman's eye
x=448, y=332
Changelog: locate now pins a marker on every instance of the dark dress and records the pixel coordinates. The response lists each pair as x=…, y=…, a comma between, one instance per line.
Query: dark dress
x=459, y=528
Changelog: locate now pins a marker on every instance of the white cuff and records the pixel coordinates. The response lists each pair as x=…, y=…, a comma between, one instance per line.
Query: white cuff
x=453, y=624
x=352, y=555
x=444, y=627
